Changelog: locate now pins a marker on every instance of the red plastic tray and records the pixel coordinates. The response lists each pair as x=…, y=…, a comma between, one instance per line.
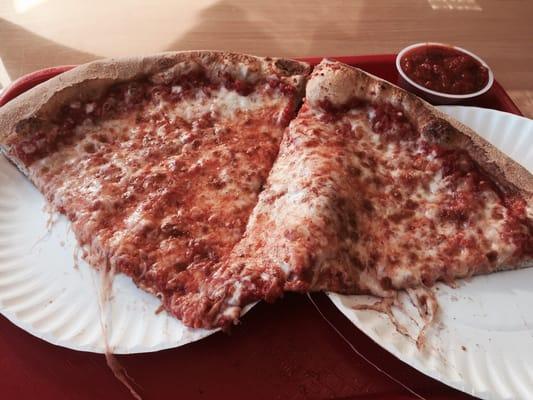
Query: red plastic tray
x=279, y=351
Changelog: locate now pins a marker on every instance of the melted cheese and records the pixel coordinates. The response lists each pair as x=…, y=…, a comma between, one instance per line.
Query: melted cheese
x=404, y=237
x=159, y=189
x=350, y=210
x=220, y=103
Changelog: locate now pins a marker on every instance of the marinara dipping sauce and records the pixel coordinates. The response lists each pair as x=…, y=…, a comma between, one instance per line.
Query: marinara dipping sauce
x=444, y=69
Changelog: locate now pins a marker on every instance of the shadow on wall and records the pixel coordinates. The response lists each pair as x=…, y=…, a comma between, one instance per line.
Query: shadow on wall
x=27, y=52
x=224, y=26
x=315, y=28
x=276, y=29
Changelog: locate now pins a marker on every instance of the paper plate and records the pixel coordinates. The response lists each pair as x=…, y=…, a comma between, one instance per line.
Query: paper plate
x=46, y=291
x=482, y=343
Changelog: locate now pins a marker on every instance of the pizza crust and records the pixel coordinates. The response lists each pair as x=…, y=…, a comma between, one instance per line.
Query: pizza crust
x=339, y=83
x=89, y=81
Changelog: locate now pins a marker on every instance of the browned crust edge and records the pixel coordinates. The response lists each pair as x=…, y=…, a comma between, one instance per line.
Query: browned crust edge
x=339, y=83
x=88, y=81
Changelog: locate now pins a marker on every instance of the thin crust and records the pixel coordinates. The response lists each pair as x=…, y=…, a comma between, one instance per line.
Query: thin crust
x=339, y=83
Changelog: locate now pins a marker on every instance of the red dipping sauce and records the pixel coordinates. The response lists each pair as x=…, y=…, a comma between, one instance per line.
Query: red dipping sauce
x=444, y=69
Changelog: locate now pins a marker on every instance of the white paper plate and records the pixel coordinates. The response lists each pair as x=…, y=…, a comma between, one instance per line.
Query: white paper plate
x=483, y=342
x=46, y=292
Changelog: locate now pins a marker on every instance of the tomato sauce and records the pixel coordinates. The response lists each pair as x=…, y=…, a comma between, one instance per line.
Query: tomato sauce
x=444, y=69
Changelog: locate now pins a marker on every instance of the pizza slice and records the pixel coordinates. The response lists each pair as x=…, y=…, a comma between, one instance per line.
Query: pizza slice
x=373, y=191
x=403, y=195
x=156, y=161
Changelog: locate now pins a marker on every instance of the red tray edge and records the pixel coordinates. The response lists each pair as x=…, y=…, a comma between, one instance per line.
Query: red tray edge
x=32, y=79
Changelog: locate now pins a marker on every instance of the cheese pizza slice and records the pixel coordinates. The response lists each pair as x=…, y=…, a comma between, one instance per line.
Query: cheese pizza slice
x=406, y=195
x=374, y=191
x=156, y=161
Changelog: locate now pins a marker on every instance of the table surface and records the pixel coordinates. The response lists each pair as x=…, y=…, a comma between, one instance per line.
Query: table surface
x=41, y=33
